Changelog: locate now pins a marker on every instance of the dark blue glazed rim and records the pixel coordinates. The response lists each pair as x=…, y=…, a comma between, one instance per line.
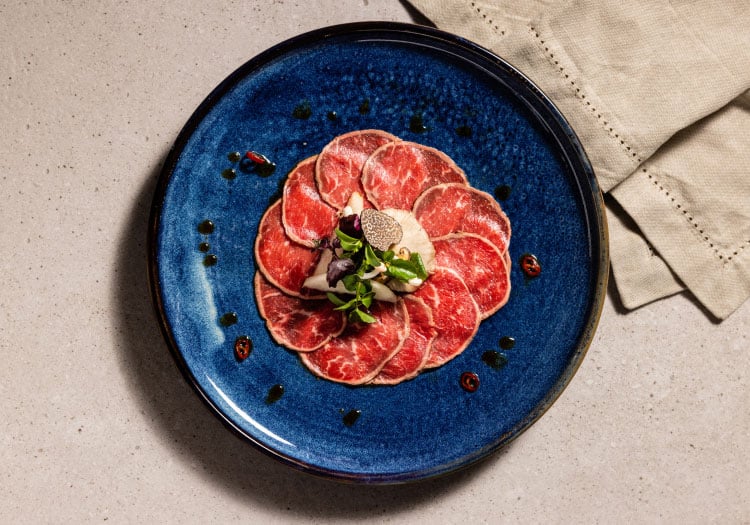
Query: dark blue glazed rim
x=420, y=84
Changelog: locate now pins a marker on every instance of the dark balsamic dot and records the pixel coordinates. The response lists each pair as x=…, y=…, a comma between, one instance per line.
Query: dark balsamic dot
x=274, y=393
x=210, y=260
x=266, y=169
x=502, y=192
x=494, y=359
x=228, y=319
x=464, y=131
x=351, y=417
x=416, y=124
x=303, y=111
x=206, y=227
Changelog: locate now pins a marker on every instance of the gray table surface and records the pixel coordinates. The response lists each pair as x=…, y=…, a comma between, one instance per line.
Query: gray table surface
x=97, y=422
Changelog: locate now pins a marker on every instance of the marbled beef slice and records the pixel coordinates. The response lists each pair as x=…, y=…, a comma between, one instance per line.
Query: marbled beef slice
x=453, y=208
x=408, y=361
x=285, y=263
x=455, y=313
x=359, y=353
x=397, y=173
x=479, y=264
x=305, y=216
x=338, y=170
x=298, y=324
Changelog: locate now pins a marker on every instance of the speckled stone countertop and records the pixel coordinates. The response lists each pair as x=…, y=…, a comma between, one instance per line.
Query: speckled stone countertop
x=98, y=423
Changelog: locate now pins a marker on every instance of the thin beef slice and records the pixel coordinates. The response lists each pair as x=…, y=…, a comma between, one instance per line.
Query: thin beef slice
x=407, y=363
x=480, y=265
x=357, y=355
x=298, y=324
x=338, y=170
x=282, y=261
x=397, y=173
x=453, y=208
x=305, y=216
x=455, y=313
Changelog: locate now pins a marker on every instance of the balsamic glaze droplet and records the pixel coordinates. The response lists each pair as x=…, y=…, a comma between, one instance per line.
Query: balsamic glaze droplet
x=210, y=260
x=502, y=192
x=530, y=265
x=266, y=169
x=507, y=342
x=416, y=124
x=274, y=393
x=204, y=247
x=229, y=173
x=235, y=156
x=228, y=319
x=303, y=111
x=470, y=381
x=494, y=359
x=206, y=227
x=351, y=417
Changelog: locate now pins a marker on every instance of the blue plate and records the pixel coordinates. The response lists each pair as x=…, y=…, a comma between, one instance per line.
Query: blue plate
x=422, y=85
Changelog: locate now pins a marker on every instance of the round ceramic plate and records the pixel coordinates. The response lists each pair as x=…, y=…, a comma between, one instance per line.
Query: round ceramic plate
x=422, y=85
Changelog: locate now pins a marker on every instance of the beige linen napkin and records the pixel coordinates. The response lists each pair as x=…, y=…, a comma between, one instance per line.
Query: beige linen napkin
x=657, y=91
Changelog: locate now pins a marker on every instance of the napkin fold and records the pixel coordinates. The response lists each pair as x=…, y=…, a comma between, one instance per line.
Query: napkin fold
x=658, y=93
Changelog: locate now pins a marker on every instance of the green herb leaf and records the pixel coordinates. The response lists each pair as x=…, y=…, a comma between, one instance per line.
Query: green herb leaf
x=361, y=253
x=348, y=244
x=400, y=273
x=335, y=299
x=347, y=306
x=416, y=260
x=402, y=270
x=371, y=258
x=365, y=287
x=350, y=282
x=359, y=315
x=366, y=299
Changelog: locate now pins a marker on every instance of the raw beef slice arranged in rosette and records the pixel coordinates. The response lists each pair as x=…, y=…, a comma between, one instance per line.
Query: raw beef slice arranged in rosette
x=455, y=313
x=462, y=233
x=306, y=217
x=480, y=265
x=338, y=171
x=397, y=173
x=453, y=208
x=299, y=324
x=408, y=362
x=358, y=354
x=285, y=263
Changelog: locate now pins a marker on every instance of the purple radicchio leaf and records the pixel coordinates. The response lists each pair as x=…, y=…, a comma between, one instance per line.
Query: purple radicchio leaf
x=338, y=269
x=351, y=226
x=324, y=244
x=328, y=244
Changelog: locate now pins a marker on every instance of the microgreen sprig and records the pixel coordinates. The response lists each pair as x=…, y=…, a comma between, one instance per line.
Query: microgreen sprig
x=356, y=263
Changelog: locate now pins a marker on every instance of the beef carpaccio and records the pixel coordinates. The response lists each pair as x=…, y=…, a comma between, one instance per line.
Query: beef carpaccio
x=420, y=324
